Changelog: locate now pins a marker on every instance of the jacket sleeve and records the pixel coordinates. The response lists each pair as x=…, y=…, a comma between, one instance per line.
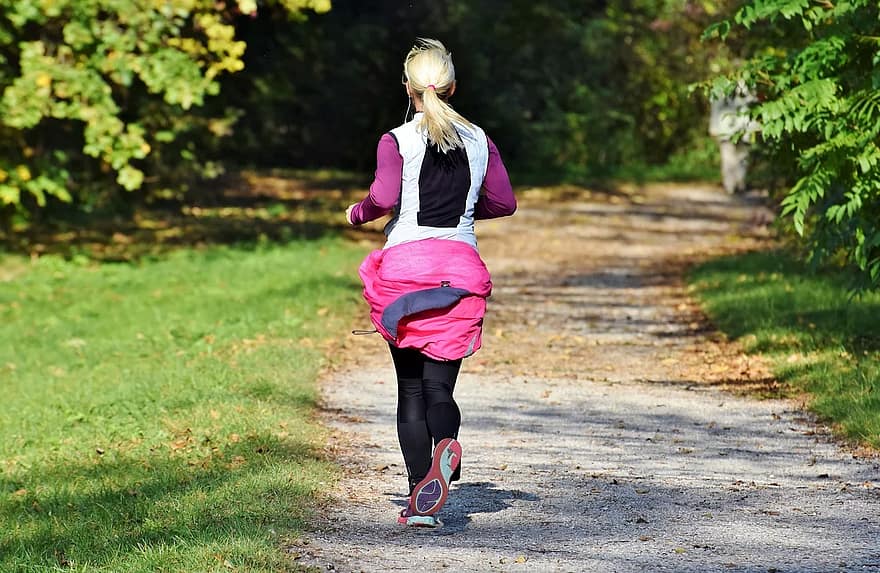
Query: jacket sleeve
x=385, y=189
x=498, y=200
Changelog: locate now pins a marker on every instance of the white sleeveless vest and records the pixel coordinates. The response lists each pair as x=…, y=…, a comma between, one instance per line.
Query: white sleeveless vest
x=438, y=191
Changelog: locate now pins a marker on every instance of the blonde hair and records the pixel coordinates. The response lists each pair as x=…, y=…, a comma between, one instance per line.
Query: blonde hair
x=431, y=76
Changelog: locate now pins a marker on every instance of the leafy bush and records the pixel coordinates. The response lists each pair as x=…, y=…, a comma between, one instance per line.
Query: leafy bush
x=92, y=87
x=817, y=68
x=565, y=88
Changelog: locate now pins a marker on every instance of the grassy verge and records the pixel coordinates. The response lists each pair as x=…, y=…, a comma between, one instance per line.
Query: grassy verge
x=818, y=339
x=156, y=416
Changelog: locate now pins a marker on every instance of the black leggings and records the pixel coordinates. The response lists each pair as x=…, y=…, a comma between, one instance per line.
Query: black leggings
x=426, y=412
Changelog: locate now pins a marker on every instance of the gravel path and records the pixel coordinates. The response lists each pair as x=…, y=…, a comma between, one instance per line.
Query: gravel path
x=595, y=437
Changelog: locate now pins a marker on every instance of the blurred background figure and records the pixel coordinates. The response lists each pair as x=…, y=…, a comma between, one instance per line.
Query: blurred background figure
x=731, y=126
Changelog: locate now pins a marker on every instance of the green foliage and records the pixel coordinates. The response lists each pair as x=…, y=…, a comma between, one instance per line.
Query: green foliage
x=821, y=109
x=817, y=339
x=152, y=424
x=564, y=87
x=105, y=79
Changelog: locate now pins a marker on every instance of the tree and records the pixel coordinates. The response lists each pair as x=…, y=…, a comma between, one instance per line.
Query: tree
x=96, y=86
x=565, y=87
x=817, y=67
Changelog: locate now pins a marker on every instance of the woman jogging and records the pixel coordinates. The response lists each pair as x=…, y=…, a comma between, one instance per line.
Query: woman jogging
x=427, y=287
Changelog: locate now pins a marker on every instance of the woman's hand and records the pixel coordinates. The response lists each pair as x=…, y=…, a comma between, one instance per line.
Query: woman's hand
x=348, y=213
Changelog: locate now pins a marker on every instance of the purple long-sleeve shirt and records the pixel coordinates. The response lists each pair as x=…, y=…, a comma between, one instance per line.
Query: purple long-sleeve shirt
x=498, y=200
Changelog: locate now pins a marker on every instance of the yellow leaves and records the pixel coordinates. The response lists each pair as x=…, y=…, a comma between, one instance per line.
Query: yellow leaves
x=220, y=127
x=43, y=80
x=3, y=176
x=214, y=28
x=9, y=195
x=23, y=173
x=130, y=178
x=295, y=6
x=248, y=7
x=321, y=6
x=189, y=45
x=221, y=45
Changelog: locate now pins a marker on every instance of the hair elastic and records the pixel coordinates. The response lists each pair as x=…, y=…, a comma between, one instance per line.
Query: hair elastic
x=432, y=86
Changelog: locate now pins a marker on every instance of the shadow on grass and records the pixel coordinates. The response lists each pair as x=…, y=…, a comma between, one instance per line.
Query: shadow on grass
x=819, y=338
x=771, y=297
x=245, y=209
x=99, y=511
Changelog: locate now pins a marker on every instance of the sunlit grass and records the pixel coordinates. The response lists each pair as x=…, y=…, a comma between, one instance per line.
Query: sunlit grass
x=156, y=416
x=818, y=338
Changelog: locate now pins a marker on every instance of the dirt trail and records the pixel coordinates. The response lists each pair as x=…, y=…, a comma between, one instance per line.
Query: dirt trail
x=594, y=436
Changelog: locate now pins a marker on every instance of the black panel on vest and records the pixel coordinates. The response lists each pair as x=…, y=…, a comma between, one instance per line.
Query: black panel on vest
x=444, y=183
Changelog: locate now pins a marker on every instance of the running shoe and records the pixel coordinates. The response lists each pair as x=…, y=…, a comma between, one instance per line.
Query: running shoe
x=430, y=494
x=407, y=517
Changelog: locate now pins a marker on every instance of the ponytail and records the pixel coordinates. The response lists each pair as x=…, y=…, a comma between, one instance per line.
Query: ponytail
x=431, y=75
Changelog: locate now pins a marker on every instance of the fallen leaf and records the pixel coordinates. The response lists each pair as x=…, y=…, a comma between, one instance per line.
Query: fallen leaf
x=520, y=559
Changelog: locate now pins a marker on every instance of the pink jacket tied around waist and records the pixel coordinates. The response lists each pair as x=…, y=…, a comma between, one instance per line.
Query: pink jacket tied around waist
x=429, y=295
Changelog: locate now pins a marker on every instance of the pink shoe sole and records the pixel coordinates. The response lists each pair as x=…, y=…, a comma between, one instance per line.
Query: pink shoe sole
x=430, y=494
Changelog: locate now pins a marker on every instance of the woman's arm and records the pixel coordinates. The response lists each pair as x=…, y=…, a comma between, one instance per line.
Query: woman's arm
x=385, y=190
x=499, y=200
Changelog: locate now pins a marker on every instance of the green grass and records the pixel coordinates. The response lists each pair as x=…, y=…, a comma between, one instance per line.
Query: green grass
x=818, y=339
x=156, y=416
